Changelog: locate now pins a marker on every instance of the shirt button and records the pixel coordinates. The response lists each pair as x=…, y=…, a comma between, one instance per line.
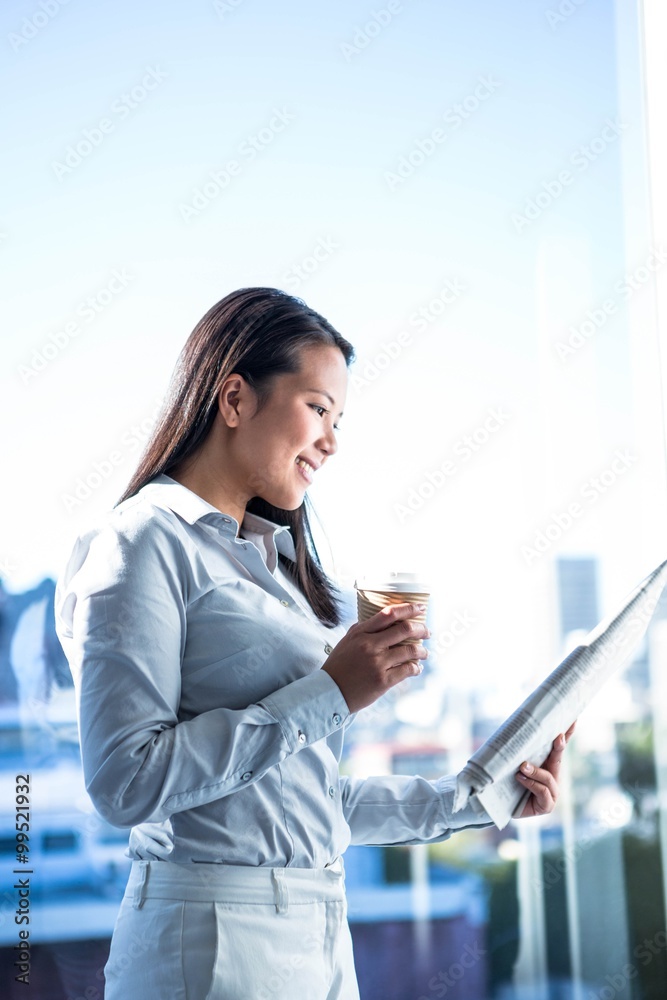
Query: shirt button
x=336, y=719
x=301, y=737
x=286, y=603
x=328, y=649
x=332, y=791
x=247, y=776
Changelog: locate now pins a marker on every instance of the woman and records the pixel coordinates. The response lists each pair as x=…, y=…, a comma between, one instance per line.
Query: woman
x=215, y=680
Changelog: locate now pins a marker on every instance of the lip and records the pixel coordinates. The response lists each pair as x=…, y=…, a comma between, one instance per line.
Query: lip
x=306, y=475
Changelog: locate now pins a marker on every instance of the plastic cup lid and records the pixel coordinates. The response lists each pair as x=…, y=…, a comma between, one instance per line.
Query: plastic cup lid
x=394, y=583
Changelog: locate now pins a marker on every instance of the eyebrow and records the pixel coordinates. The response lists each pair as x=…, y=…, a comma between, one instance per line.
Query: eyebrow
x=330, y=398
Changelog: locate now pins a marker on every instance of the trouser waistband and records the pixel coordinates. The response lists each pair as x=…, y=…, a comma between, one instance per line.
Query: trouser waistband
x=214, y=883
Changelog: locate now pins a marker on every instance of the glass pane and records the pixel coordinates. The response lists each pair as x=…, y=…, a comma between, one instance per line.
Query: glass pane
x=465, y=193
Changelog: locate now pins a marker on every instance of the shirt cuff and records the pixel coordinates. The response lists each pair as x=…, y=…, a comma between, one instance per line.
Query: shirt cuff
x=472, y=814
x=308, y=709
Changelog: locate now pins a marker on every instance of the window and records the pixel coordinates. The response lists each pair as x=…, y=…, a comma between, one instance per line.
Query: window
x=475, y=196
x=59, y=841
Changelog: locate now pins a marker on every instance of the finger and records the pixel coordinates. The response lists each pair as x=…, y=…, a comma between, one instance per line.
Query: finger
x=541, y=783
x=414, y=652
x=540, y=800
x=557, y=750
x=399, y=634
x=399, y=673
x=390, y=615
x=570, y=731
x=553, y=761
x=402, y=634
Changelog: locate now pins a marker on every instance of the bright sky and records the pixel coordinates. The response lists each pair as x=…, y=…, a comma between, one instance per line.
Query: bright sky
x=455, y=187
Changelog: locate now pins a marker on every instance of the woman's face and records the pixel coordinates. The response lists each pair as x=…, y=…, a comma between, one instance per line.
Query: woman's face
x=297, y=425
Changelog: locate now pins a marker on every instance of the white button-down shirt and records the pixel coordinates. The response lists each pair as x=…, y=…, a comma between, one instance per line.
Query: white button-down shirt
x=206, y=723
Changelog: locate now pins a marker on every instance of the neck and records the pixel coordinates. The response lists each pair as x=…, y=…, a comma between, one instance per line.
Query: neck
x=205, y=478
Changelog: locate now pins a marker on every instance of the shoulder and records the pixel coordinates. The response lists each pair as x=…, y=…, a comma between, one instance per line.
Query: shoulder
x=135, y=523
x=126, y=565
x=135, y=536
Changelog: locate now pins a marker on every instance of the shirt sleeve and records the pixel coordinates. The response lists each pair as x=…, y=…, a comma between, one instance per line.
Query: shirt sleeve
x=399, y=809
x=121, y=619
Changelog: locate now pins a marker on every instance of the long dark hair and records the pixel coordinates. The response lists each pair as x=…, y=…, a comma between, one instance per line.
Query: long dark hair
x=258, y=333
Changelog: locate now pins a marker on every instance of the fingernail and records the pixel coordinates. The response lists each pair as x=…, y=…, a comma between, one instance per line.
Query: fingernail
x=419, y=668
x=419, y=607
x=528, y=768
x=560, y=742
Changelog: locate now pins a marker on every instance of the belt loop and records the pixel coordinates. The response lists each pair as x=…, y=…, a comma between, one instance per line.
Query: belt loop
x=140, y=888
x=279, y=889
x=336, y=867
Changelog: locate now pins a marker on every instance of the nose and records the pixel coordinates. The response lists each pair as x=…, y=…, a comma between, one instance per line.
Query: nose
x=328, y=444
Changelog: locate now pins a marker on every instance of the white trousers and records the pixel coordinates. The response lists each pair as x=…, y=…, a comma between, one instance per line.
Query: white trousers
x=225, y=932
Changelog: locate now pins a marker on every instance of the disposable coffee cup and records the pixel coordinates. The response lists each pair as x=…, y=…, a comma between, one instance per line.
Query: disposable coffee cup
x=375, y=593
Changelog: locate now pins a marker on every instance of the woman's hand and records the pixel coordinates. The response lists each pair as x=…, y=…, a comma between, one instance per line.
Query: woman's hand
x=367, y=661
x=543, y=781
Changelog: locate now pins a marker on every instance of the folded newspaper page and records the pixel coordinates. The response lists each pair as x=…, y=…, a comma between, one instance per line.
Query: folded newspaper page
x=528, y=734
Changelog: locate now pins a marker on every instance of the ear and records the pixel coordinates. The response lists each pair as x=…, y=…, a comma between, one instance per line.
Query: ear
x=235, y=399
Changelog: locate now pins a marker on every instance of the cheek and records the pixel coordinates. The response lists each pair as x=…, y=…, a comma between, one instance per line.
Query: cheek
x=298, y=437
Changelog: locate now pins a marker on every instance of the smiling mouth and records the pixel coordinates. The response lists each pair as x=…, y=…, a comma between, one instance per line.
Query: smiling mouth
x=305, y=469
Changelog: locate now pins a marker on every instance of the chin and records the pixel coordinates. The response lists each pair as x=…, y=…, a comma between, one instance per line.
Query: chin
x=294, y=505
x=283, y=501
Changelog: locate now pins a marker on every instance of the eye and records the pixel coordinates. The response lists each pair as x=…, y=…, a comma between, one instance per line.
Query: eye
x=322, y=410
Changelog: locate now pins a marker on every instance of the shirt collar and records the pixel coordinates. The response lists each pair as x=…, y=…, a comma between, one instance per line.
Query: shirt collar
x=253, y=524
x=167, y=492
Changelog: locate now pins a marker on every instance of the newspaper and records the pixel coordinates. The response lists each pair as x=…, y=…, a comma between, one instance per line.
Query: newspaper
x=528, y=734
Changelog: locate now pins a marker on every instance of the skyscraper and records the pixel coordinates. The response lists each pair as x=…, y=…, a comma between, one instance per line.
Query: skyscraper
x=577, y=593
